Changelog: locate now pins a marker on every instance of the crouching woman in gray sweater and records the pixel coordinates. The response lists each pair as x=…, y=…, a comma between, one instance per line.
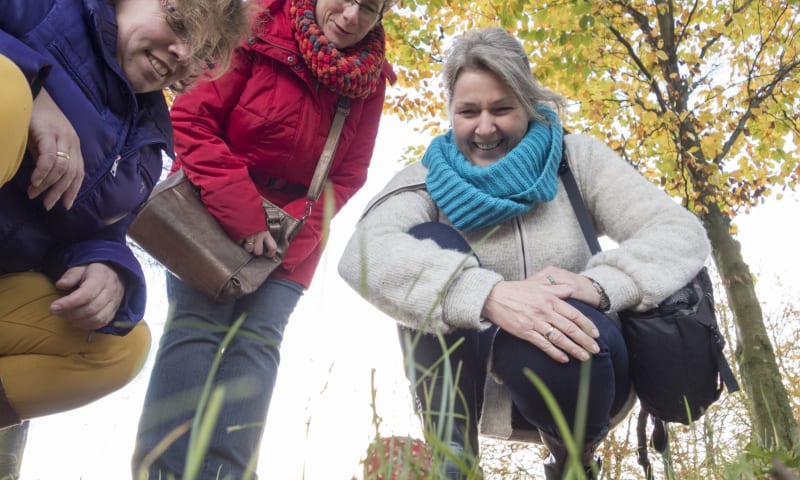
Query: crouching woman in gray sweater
x=477, y=253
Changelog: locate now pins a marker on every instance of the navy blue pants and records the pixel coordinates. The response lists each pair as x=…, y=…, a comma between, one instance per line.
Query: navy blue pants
x=609, y=383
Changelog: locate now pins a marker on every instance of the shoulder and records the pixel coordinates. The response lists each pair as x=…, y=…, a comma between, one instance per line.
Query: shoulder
x=410, y=178
x=18, y=17
x=581, y=147
x=591, y=159
x=272, y=18
x=410, y=175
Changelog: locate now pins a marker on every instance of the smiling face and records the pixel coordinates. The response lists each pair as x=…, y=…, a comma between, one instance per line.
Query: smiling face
x=488, y=119
x=347, y=22
x=150, y=52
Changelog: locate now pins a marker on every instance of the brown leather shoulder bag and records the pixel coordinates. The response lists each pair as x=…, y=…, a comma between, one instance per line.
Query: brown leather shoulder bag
x=177, y=230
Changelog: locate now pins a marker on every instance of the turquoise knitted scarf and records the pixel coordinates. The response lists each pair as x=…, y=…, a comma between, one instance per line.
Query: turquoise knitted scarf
x=473, y=196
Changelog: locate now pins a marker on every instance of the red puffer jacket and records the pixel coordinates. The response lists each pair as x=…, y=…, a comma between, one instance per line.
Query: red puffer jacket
x=259, y=131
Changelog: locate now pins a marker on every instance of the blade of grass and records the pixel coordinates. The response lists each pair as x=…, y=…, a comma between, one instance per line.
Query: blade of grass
x=207, y=387
x=558, y=417
x=201, y=438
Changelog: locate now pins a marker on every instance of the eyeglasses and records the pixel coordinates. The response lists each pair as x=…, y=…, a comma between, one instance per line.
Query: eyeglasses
x=178, y=27
x=368, y=12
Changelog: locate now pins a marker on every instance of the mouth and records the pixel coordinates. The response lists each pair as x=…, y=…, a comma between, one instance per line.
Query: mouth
x=339, y=29
x=488, y=146
x=160, y=67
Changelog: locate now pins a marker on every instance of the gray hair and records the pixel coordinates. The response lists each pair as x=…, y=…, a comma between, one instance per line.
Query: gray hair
x=495, y=51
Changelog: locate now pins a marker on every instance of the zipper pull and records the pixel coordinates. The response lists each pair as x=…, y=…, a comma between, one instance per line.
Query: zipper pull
x=114, y=167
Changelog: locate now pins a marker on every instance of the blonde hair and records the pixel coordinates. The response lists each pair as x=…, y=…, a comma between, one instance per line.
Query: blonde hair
x=214, y=28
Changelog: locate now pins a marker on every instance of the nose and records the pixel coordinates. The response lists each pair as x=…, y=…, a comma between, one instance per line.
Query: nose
x=485, y=124
x=182, y=50
x=350, y=11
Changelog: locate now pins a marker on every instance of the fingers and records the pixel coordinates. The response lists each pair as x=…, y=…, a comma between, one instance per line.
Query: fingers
x=564, y=332
x=530, y=310
x=261, y=243
x=60, y=174
x=249, y=244
x=95, y=293
x=581, y=287
x=85, y=312
x=271, y=246
x=55, y=147
x=574, y=344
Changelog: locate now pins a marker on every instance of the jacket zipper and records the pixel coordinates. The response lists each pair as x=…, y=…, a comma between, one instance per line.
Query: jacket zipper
x=114, y=165
x=523, y=247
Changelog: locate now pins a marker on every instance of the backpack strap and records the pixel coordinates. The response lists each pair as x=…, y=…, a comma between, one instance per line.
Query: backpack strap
x=725, y=372
x=641, y=450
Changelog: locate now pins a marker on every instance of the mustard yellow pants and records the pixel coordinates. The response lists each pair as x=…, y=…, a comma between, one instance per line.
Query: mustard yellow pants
x=15, y=115
x=49, y=366
x=46, y=364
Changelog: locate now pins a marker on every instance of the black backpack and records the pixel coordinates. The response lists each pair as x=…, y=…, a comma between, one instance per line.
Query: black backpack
x=675, y=350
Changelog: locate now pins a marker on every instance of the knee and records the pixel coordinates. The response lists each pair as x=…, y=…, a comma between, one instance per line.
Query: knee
x=137, y=346
x=610, y=339
x=122, y=358
x=444, y=235
x=15, y=96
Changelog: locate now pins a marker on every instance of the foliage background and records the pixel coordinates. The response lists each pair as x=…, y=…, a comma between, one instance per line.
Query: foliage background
x=321, y=421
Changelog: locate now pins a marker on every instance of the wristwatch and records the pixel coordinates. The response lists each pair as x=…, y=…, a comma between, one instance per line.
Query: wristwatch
x=605, y=303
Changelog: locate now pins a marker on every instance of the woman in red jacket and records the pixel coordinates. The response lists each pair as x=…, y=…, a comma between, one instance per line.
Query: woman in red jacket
x=259, y=131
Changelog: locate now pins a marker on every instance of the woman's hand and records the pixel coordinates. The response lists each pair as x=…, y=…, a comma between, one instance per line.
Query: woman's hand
x=56, y=152
x=582, y=288
x=534, y=310
x=260, y=243
x=95, y=294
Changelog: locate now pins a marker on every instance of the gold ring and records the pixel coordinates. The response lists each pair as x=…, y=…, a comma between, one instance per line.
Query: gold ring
x=551, y=279
x=549, y=332
x=63, y=155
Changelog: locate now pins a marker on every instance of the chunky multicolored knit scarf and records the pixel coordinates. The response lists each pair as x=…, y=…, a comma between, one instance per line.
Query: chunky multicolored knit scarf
x=353, y=72
x=478, y=196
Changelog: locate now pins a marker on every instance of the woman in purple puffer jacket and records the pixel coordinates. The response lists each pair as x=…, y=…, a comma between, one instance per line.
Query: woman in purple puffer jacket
x=83, y=126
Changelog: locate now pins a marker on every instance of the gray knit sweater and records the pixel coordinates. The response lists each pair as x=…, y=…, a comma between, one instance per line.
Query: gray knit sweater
x=660, y=246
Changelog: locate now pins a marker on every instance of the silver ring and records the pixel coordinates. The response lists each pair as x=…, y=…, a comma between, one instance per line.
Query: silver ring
x=549, y=332
x=63, y=155
x=250, y=242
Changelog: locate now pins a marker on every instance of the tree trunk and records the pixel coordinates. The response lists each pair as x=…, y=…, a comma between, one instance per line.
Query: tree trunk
x=774, y=425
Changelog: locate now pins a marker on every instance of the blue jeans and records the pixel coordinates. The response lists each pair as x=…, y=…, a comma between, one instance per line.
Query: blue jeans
x=247, y=370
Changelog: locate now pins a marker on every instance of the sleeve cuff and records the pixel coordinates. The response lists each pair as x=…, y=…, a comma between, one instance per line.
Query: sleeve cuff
x=465, y=299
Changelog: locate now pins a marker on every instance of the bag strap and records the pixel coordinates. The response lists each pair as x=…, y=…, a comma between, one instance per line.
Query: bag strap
x=590, y=234
x=641, y=450
x=575, y=198
x=725, y=372
x=328, y=151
